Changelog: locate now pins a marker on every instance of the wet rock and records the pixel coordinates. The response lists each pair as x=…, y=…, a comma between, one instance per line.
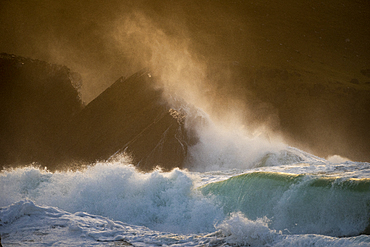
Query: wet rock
x=44, y=121
x=131, y=117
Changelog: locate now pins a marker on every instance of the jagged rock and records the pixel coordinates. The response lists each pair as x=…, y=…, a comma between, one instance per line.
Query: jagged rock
x=130, y=116
x=44, y=121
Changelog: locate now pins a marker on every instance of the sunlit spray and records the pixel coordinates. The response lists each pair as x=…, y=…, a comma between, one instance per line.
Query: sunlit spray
x=223, y=140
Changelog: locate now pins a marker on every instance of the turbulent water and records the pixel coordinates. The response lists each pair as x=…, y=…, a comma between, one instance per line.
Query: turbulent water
x=289, y=198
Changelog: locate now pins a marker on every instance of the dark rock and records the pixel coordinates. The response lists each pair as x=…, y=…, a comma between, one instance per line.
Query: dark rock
x=311, y=112
x=130, y=116
x=37, y=100
x=44, y=121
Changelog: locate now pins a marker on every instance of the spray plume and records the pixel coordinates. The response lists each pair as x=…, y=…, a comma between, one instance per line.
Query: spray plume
x=224, y=142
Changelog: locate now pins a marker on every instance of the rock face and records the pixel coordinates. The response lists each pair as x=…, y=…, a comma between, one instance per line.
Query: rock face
x=37, y=101
x=43, y=120
x=128, y=117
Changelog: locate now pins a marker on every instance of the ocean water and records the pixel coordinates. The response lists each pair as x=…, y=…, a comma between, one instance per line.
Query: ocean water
x=289, y=198
x=235, y=190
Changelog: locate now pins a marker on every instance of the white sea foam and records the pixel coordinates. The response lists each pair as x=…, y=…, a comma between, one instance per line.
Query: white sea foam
x=24, y=223
x=239, y=230
x=224, y=146
x=157, y=200
x=112, y=201
x=337, y=159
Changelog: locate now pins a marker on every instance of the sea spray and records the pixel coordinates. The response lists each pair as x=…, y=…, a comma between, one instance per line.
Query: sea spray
x=82, y=207
x=224, y=145
x=239, y=230
x=158, y=200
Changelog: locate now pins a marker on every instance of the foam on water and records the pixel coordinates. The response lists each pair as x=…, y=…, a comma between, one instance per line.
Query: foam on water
x=157, y=200
x=112, y=201
x=24, y=223
x=239, y=230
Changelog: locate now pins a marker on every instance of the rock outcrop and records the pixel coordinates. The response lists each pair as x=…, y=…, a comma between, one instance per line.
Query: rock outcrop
x=130, y=116
x=37, y=101
x=44, y=121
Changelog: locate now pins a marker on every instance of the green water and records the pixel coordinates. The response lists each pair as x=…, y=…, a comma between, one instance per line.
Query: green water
x=297, y=203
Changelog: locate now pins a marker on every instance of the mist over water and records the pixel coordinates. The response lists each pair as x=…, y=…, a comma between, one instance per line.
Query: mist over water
x=253, y=83
x=223, y=146
x=211, y=56
x=217, y=118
